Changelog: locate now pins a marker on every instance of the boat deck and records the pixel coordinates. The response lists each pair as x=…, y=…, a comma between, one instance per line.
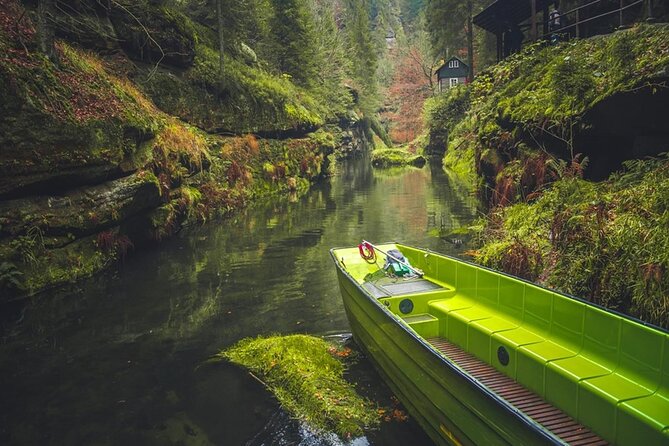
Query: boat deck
x=527, y=402
x=387, y=287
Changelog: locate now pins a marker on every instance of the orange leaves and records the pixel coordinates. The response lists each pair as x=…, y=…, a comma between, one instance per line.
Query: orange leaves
x=337, y=352
x=394, y=414
x=408, y=92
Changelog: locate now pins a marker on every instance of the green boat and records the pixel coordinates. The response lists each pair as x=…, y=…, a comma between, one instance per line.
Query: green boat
x=481, y=357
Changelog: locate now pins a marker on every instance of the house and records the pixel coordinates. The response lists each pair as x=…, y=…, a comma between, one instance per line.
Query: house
x=451, y=73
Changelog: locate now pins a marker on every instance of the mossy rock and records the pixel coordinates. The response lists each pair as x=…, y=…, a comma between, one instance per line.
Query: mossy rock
x=61, y=127
x=155, y=34
x=306, y=376
x=396, y=157
x=81, y=211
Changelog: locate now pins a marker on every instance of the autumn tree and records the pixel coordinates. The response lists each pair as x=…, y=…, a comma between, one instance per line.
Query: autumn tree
x=408, y=92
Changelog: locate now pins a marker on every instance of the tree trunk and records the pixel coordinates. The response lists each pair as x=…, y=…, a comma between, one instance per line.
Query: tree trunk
x=221, y=40
x=45, y=31
x=470, y=40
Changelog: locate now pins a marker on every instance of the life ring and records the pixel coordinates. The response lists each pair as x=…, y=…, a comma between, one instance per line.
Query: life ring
x=367, y=252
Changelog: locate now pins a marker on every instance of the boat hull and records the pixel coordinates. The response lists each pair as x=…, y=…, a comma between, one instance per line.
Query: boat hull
x=451, y=407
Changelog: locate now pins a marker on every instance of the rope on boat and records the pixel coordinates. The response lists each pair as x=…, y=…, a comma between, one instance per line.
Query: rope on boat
x=367, y=252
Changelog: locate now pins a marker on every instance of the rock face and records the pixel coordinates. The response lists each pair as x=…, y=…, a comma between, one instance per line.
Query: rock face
x=40, y=153
x=91, y=166
x=629, y=125
x=170, y=41
x=353, y=139
x=82, y=211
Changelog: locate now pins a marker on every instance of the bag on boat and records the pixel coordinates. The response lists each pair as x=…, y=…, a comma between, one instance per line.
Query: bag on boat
x=395, y=267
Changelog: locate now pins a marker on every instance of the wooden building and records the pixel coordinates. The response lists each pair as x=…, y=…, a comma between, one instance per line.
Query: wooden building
x=515, y=22
x=451, y=73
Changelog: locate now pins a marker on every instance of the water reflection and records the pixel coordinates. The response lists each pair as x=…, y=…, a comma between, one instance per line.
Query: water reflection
x=117, y=360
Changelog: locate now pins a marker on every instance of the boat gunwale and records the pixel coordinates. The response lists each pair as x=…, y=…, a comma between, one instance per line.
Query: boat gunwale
x=505, y=405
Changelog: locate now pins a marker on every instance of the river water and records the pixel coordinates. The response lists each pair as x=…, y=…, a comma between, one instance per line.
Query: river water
x=118, y=359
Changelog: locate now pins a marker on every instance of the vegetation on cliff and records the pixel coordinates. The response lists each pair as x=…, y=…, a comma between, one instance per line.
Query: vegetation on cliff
x=537, y=101
x=101, y=153
x=522, y=132
x=607, y=242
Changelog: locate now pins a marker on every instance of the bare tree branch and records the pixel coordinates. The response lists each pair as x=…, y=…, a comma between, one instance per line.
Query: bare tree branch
x=148, y=34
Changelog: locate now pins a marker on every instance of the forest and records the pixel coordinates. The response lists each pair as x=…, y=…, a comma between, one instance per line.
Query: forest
x=170, y=113
x=175, y=176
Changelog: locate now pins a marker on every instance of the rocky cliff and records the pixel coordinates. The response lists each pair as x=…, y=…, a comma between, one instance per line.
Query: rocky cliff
x=130, y=136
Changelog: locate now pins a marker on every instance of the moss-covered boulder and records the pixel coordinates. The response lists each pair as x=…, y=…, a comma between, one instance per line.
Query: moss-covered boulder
x=306, y=375
x=67, y=126
x=396, y=157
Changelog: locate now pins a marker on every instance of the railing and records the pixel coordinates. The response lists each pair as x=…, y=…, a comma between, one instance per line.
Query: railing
x=576, y=11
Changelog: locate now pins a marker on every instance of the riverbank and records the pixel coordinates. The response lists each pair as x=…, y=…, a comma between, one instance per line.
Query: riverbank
x=102, y=154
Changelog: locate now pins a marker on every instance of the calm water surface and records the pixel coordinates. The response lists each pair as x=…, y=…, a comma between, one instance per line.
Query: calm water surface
x=117, y=360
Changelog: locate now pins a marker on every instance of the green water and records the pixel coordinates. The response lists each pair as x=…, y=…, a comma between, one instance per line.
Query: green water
x=115, y=361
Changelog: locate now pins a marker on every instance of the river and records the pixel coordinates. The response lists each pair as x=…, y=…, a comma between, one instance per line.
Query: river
x=117, y=359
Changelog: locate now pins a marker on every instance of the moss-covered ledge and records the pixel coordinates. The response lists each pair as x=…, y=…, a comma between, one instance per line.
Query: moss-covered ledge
x=396, y=157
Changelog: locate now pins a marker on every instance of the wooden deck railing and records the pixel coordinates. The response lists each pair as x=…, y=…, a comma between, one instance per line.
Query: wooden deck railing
x=576, y=13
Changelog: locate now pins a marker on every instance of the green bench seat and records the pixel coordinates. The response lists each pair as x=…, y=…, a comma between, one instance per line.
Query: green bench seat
x=608, y=372
x=533, y=360
x=638, y=374
x=564, y=341
x=646, y=420
x=479, y=335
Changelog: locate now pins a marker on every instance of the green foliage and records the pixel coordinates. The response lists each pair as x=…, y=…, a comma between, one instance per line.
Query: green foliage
x=307, y=380
x=538, y=96
x=294, y=51
x=30, y=246
x=10, y=276
x=255, y=96
x=364, y=53
x=444, y=111
x=570, y=83
x=606, y=242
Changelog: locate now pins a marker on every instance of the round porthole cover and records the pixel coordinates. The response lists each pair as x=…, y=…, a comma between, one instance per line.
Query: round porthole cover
x=406, y=306
x=503, y=355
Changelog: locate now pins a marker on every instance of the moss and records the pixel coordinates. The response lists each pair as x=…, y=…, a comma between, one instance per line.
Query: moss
x=460, y=159
x=78, y=260
x=539, y=97
x=396, y=157
x=307, y=380
x=607, y=242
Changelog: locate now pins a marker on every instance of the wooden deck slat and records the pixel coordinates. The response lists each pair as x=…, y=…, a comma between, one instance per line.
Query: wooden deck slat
x=523, y=399
x=581, y=439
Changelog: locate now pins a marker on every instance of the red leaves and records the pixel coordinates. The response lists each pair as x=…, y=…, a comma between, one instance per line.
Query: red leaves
x=14, y=23
x=408, y=92
x=88, y=100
